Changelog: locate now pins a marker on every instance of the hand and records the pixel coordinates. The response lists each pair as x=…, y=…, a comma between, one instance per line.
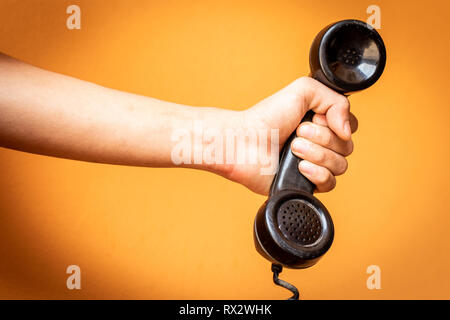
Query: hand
x=322, y=151
x=51, y=114
x=323, y=143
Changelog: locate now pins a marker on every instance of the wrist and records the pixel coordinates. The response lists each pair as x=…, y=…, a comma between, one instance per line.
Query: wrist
x=201, y=140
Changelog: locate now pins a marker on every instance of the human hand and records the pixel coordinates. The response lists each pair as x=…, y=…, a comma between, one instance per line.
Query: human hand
x=110, y=126
x=323, y=143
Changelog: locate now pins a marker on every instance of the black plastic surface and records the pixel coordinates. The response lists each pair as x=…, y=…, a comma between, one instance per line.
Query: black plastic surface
x=347, y=56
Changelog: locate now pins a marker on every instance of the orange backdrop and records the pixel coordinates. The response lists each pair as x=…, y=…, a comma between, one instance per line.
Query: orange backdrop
x=178, y=233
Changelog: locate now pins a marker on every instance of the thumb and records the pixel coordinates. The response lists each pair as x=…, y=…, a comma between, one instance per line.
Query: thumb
x=334, y=106
x=282, y=110
x=285, y=109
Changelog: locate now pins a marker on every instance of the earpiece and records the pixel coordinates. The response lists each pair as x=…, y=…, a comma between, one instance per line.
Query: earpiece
x=293, y=228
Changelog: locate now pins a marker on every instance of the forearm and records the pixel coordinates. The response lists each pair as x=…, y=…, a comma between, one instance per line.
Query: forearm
x=47, y=113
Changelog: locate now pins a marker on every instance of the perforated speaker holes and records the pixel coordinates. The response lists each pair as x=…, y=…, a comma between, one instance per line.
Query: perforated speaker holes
x=299, y=222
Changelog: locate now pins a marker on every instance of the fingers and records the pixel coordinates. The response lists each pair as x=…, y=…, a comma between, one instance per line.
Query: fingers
x=324, y=137
x=320, y=176
x=321, y=119
x=318, y=155
x=333, y=105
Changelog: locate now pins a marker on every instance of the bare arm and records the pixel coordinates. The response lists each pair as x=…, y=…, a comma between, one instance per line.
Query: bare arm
x=51, y=114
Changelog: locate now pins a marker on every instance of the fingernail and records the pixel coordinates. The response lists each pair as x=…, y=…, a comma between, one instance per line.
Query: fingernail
x=300, y=146
x=306, y=167
x=347, y=129
x=306, y=131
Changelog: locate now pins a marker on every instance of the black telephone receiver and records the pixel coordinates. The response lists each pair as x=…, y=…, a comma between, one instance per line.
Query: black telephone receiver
x=293, y=229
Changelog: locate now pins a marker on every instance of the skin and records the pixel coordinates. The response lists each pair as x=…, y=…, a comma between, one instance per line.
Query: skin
x=46, y=113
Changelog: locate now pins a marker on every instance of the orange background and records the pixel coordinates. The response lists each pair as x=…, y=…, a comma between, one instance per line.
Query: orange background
x=177, y=233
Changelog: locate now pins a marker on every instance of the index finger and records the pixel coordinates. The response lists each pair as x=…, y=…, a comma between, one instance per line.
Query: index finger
x=321, y=120
x=334, y=106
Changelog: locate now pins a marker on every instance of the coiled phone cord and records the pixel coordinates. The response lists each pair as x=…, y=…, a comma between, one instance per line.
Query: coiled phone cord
x=276, y=269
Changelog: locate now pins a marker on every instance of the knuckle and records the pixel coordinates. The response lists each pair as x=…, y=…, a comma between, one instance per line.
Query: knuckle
x=320, y=157
x=303, y=82
x=327, y=138
x=303, y=79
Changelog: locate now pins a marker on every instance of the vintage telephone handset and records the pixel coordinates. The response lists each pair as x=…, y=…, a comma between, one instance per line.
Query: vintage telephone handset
x=293, y=229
